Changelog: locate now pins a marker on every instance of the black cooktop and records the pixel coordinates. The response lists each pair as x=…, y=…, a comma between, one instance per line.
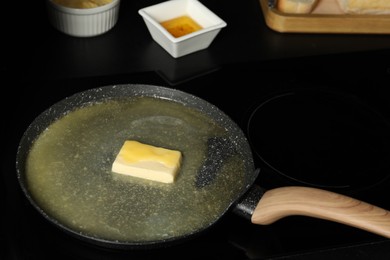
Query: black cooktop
x=318, y=126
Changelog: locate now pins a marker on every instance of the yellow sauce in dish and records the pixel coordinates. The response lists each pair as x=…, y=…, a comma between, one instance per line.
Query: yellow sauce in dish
x=181, y=26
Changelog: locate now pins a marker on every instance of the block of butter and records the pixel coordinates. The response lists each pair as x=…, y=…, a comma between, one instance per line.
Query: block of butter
x=147, y=161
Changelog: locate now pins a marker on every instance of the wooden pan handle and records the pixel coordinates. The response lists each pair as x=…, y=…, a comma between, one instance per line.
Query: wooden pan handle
x=287, y=201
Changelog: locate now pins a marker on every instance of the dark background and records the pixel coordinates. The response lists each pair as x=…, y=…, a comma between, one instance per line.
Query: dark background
x=35, y=51
x=246, y=62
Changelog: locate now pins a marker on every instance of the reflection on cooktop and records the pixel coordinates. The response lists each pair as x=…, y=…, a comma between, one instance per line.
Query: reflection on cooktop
x=321, y=138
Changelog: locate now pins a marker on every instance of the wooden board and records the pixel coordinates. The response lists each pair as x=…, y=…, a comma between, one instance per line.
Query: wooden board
x=327, y=17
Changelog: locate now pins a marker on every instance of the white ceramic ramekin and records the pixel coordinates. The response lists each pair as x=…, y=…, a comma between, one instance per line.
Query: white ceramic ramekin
x=83, y=22
x=186, y=44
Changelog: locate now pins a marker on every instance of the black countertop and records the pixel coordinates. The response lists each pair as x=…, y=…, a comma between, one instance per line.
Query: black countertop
x=43, y=66
x=35, y=50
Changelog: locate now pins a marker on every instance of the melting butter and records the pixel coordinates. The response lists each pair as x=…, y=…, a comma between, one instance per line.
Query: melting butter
x=147, y=161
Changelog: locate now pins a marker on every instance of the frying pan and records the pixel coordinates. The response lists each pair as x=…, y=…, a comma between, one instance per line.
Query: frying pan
x=64, y=157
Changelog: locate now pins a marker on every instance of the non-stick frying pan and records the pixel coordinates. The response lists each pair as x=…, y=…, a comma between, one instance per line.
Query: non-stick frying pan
x=64, y=158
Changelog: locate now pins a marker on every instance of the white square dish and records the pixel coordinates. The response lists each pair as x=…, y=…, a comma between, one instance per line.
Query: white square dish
x=210, y=25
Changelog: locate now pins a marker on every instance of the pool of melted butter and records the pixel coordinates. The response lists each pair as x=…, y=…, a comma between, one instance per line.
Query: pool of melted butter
x=68, y=171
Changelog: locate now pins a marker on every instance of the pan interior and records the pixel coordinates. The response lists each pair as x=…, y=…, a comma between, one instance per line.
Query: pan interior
x=68, y=170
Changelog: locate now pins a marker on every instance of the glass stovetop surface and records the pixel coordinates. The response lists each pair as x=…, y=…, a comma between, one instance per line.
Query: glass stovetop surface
x=329, y=132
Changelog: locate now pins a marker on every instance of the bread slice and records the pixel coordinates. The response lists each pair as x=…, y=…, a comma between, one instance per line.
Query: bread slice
x=365, y=6
x=296, y=6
